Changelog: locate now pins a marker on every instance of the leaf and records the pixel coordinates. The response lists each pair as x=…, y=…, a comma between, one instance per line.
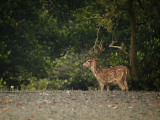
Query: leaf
x=16, y=24
x=5, y=109
x=148, y=104
x=158, y=105
x=115, y=107
x=115, y=103
x=100, y=105
x=133, y=101
x=16, y=103
x=38, y=106
x=128, y=101
x=74, y=99
x=9, y=52
x=66, y=102
x=107, y=101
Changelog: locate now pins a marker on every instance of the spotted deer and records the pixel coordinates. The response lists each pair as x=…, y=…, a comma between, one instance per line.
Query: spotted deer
x=117, y=75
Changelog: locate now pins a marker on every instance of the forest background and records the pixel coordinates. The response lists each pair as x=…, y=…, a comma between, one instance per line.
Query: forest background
x=43, y=43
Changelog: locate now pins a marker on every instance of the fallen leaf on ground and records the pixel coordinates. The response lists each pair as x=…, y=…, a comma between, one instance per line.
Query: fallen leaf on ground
x=115, y=103
x=3, y=101
x=38, y=106
x=115, y=107
x=158, y=104
x=148, y=104
x=127, y=101
x=133, y=101
x=5, y=109
x=65, y=102
x=16, y=103
x=108, y=101
x=123, y=105
x=100, y=105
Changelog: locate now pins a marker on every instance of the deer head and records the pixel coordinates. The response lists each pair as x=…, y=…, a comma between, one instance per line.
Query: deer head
x=91, y=60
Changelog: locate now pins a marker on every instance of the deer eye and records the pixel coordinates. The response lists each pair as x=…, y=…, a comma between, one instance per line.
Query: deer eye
x=89, y=61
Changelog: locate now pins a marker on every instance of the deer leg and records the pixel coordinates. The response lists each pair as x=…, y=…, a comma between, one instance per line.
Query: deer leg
x=125, y=79
x=102, y=86
x=125, y=84
x=120, y=84
x=107, y=88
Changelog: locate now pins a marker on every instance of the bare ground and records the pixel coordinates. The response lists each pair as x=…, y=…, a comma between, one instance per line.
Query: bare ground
x=79, y=105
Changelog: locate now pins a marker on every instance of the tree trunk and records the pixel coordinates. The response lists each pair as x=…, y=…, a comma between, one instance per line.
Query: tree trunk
x=133, y=49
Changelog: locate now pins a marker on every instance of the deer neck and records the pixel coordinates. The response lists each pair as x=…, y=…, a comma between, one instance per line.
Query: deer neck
x=95, y=68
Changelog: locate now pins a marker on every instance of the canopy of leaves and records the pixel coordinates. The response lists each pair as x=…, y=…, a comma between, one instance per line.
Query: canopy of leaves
x=43, y=42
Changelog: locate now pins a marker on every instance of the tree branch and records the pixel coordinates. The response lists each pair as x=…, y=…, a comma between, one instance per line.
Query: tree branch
x=111, y=45
x=140, y=4
x=63, y=53
x=103, y=16
x=122, y=48
x=92, y=18
x=115, y=10
x=124, y=8
x=97, y=37
x=99, y=25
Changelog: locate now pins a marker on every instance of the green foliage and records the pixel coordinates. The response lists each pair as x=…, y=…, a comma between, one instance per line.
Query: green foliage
x=148, y=62
x=69, y=74
x=3, y=54
x=35, y=84
x=21, y=54
x=42, y=43
x=148, y=46
x=2, y=84
x=118, y=58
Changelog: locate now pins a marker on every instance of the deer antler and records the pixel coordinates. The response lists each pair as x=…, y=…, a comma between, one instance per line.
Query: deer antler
x=99, y=49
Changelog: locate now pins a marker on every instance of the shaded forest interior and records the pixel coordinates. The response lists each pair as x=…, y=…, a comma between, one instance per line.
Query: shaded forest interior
x=43, y=44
